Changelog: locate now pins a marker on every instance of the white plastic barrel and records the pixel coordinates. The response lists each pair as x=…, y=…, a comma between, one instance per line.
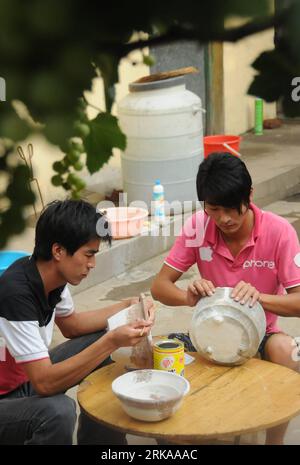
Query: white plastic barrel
x=163, y=124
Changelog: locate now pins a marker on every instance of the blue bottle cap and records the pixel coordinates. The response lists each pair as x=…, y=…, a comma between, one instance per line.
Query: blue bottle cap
x=157, y=182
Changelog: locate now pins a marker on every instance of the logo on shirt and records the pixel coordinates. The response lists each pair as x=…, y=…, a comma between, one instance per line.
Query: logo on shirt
x=206, y=254
x=259, y=264
x=2, y=350
x=297, y=260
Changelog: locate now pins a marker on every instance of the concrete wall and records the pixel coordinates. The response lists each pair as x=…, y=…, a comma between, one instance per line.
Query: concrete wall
x=179, y=55
x=238, y=74
x=239, y=108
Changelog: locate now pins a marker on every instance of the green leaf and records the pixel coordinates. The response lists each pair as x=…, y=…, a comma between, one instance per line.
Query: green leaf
x=266, y=88
x=12, y=127
x=58, y=128
x=105, y=134
x=148, y=60
x=290, y=107
x=243, y=8
x=18, y=189
x=108, y=65
x=274, y=80
x=273, y=61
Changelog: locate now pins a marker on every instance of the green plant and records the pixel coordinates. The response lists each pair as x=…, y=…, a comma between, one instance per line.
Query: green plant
x=50, y=51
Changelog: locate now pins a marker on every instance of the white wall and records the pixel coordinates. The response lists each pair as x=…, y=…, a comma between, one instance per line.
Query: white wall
x=239, y=111
x=238, y=74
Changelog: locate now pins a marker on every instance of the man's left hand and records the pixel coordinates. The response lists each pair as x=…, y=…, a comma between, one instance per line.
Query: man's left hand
x=149, y=307
x=245, y=293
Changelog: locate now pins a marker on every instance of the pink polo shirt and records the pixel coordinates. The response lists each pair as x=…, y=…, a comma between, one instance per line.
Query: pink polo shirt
x=270, y=261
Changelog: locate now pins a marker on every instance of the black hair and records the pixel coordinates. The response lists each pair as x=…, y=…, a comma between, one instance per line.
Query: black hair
x=224, y=180
x=70, y=223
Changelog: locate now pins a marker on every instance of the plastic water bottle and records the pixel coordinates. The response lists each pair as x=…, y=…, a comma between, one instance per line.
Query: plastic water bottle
x=158, y=198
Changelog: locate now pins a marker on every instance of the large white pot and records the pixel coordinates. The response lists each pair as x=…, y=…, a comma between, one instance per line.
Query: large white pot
x=226, y=332
x=163, y=124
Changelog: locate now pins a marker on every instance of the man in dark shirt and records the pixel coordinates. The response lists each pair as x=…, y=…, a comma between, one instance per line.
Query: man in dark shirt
x=33, y=296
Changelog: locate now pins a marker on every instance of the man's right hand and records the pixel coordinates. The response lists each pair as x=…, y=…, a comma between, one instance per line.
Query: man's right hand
x=131, y=334
x=197, y=289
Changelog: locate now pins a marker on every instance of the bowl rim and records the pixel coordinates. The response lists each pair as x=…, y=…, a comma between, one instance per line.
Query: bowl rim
x=151, y=401
x=204, y=305
x=229, y=303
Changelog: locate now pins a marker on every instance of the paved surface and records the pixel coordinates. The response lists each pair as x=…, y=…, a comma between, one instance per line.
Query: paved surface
x=168, y=319
x=274, y=163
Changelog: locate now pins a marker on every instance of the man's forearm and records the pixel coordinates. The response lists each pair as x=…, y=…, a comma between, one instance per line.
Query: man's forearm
x=282, y=305
x=61, y=376
x=96, y=320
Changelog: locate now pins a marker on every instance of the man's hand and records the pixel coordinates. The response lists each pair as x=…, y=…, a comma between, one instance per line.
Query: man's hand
x=149, y=307
x=245, y=293
x=130, y=301
x=129, y=335
x=197, y=289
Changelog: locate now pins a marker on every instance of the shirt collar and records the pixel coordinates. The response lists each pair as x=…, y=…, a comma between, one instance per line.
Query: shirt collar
x=37, y=286
x=212, y=232
x=258, y=213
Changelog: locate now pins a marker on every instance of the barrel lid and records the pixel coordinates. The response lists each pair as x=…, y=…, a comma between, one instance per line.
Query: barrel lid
x=154, y=85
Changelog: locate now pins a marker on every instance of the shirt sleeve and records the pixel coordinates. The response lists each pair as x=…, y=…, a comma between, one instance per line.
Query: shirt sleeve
x=288, y=257
x=184, y=251
x=20, y=330
x=66, y=306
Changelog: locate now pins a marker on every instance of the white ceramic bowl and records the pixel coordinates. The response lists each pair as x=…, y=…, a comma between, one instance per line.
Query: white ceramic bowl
x=150, y=395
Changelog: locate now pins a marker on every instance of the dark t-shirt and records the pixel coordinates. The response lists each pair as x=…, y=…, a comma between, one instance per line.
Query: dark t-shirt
x=26, y=320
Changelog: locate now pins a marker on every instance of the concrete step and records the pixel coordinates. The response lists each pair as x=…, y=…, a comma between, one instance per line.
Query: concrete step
x=274, y=164
x=288, y=208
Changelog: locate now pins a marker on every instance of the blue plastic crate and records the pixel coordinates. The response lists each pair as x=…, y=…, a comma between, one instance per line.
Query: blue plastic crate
x=9, y=256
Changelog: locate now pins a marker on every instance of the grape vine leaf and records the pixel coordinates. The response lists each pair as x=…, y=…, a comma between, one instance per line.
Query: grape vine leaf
x=105, y=134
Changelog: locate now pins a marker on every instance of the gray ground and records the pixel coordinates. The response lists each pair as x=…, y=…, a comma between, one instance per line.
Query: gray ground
x=274, y=163
x=168, y=319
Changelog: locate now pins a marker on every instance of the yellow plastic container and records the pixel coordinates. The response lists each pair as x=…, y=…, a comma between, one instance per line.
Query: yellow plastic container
x=168, y=355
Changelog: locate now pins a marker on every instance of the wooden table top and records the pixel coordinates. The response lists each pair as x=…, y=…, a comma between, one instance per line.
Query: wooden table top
x=223, y=401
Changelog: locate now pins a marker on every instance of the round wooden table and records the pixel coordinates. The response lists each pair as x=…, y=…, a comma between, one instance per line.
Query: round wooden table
x=223, y=401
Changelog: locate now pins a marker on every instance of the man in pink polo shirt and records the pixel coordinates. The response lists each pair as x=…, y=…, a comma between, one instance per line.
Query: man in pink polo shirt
x=236, y=244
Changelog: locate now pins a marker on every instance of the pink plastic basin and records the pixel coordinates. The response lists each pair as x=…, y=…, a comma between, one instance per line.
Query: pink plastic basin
x=126, y=221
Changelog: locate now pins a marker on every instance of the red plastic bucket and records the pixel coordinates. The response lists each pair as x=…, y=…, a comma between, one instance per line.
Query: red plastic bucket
x=216, y=144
